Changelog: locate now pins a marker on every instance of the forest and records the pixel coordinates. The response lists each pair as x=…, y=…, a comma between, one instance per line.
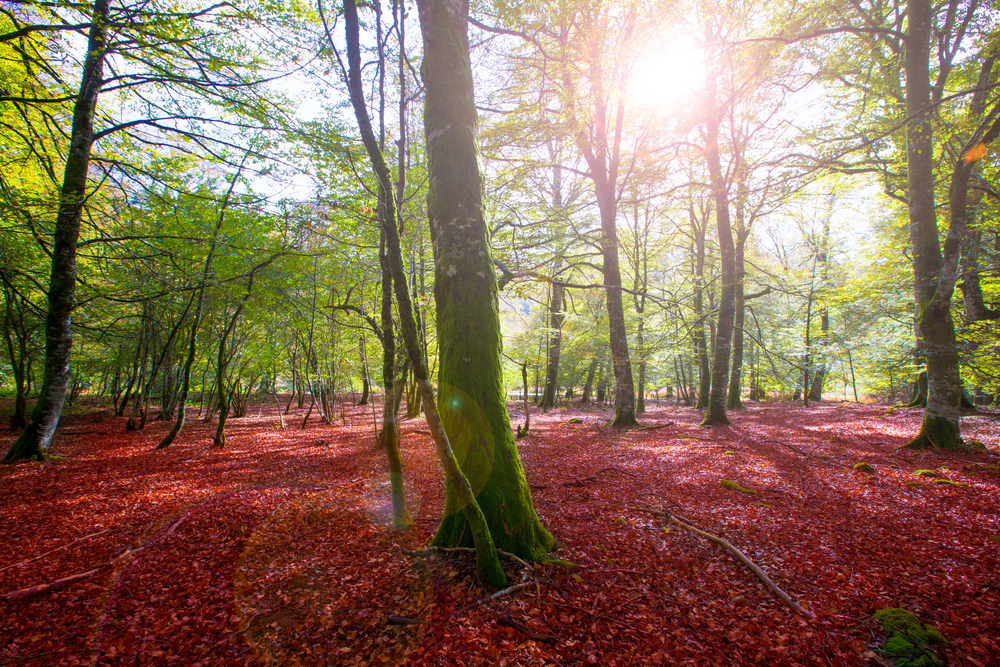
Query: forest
x=449, y=333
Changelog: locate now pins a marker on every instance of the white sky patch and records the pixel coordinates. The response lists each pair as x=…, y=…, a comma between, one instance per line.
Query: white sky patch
x=668, y=72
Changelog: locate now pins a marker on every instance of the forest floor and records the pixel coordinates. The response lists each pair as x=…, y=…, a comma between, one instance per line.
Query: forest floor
x=277, y=549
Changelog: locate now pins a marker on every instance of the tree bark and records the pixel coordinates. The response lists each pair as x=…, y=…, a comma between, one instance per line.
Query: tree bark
x=34, y=441
x=940, y=428
x=502, y=507
x=471, y=399
x=556, y=318
x=588, y=385
x=182, y=393
x=727, y=298
x=698, y=335
x=14, y=327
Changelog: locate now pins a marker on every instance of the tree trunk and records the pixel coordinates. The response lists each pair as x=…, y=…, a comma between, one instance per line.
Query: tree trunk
x=556, y=315
x=816, y=390
x=503, y=505
x=364, y=372
x=14, y=327
x=34, y=441
x=734, y=401
x=389, y=435
x=698, y=334
x=588, y=385
x=640, y=395
x=556, y=318
x=185, y=387
x=727, y=298
x=471, y=399
x=940, y=427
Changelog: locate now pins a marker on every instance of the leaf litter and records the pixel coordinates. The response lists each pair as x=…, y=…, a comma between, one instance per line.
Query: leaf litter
x=278, y=549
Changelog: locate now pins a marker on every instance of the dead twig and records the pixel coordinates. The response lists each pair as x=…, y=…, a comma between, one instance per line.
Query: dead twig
x=59, y=583
x=780, y=594
x=591, y=478
x=499, y=594
x=654, y=427
x=404, y=620
x=52, y=551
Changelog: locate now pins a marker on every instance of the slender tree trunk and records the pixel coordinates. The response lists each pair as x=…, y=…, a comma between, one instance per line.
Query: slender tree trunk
x=640, y=396
x=698, y=335
x=196, y=321
x=521, y=432
x=34, y=441
x=364, y=372
x=588, y=385
x=727, y=298
x=556, y=318
x=12, y=330
x=389, y=435
x=734, y=400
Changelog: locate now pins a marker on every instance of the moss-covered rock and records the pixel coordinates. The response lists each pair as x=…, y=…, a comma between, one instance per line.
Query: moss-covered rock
x=733, y=486
x=950, y=482
x=909, y=643
x=926, y=473
x=866, y=468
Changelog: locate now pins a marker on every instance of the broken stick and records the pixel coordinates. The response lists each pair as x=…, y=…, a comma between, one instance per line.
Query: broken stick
x=780, y=594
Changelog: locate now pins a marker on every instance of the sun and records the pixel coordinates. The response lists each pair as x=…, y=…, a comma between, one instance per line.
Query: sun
x=668, y=72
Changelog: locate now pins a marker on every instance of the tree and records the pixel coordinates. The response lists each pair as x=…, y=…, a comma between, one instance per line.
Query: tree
x=33, y=443
x=940, y=427
x=471, y=397
x=487, y=499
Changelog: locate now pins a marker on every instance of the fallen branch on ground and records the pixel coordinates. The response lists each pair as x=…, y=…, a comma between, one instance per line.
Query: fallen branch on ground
x=781, y=595
x=499, y=594
x=403, y=620
x=52, y=551
x=654, y=427
x=584, y=480
x=59, y=583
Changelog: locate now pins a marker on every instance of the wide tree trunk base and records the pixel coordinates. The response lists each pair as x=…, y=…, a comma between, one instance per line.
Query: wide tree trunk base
x=523, y=536
x=937, y=433
x=25, y=452
x=712, y=419
x=626, y=418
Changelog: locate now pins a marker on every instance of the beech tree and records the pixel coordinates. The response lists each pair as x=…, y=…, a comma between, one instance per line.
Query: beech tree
x=487, y=500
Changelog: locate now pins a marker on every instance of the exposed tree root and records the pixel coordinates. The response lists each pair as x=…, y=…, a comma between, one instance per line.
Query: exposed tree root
x=780, y=594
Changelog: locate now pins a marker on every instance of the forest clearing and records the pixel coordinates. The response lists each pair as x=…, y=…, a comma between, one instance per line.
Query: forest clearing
x=299, y=214
x=279, y=549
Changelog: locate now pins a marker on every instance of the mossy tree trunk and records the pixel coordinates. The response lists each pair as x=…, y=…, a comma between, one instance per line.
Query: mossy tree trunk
x=932, y=284
x=389, y=435
x=450, y=126
x=471, y=400
x=34, y=440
